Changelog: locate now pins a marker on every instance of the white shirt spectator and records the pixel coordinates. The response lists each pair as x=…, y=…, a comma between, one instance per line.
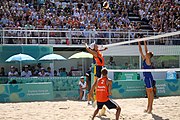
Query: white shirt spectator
x=26, y=74
x=52, y=1
x=49, y=74
x=83, y=85
x=61, y=18
x=76, y=14
x=41, y=75
x=57, y=4
x=13, y=74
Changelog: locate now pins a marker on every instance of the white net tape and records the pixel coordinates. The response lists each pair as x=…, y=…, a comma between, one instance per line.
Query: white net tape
x=144, y=39
x=144, y=70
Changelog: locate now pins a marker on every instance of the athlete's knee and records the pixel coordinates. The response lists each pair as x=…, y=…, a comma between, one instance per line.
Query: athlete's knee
x=118, y=108
x=149, y=89
x=97, y=110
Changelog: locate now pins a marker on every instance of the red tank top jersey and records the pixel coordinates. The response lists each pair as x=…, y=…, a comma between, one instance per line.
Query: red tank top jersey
x=99, y=59
x=102, y=90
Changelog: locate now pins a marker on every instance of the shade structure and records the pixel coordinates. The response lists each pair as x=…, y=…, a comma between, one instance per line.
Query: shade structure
x=81, y=55
x=19, y=58
x=52, y=57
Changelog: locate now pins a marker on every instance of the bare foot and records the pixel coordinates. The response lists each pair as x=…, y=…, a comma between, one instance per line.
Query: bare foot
x=91, y=117
x=149, y=111
x=145, y=111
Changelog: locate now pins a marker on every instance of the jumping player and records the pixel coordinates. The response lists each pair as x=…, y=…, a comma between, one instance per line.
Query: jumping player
x=98, y=57
x=148, y=78
x=103, y=88
x=99, y=63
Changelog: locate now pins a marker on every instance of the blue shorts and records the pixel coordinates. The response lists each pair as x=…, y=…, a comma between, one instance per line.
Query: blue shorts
x=98, y=71
x=149, y=82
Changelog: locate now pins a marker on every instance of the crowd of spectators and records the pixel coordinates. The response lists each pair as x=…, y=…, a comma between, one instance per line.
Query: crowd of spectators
x=86, y=15
x=162, y=15
x=30, y=71
x=55, y=14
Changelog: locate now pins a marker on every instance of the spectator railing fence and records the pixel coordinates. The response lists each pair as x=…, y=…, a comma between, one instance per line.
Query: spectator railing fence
x=53, y=36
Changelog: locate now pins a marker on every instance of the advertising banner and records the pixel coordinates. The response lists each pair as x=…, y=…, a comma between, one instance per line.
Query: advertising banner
x=130, y=89
x=26, y=92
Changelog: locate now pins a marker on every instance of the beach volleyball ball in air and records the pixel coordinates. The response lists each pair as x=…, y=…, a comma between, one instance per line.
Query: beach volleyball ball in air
x=106, y=5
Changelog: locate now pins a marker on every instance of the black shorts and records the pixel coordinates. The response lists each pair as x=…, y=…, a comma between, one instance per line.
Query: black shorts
x=110, y=104
x=98, y=71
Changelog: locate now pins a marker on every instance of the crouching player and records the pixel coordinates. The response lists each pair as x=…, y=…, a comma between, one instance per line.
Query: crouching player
x=103, y=90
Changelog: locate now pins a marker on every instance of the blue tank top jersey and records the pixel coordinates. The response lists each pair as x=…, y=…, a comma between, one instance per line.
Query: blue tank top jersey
x=145, y=66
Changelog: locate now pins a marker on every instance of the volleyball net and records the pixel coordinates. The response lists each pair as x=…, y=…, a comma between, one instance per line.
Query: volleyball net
x=128, y=64
x=166, y=38
x=138, y=74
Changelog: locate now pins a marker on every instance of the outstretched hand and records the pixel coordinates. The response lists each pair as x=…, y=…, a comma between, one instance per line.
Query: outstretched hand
x=105, y=48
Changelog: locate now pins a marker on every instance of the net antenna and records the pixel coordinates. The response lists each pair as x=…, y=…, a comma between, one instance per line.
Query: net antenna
x=143, y=39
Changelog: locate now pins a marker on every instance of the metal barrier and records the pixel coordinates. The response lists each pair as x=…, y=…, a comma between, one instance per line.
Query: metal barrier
x=64, y=36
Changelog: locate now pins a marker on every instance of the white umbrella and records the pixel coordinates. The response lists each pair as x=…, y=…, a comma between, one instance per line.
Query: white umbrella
x=19, y=58
x=52, y=57
x=81, y=55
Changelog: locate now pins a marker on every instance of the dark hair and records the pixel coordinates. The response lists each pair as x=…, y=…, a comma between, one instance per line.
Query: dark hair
x=13, y=82
x=151, y=54
x=140, y=35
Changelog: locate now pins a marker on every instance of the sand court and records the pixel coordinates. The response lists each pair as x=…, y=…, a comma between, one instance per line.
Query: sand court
x=165, y=108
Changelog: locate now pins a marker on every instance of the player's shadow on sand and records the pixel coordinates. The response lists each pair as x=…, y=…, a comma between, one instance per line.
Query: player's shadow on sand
x=156, y=117
x=102, y=118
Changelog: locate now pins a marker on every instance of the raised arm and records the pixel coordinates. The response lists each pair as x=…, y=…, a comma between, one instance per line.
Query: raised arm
x=104, y=49
x=145, y=47
x=94, y=53
x=140, y=50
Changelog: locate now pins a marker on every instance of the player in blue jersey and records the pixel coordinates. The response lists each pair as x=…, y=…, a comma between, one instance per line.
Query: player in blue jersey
x=148, y=78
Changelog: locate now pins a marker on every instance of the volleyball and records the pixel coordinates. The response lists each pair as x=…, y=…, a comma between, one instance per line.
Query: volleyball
x=102, y=111
x=106, y=5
